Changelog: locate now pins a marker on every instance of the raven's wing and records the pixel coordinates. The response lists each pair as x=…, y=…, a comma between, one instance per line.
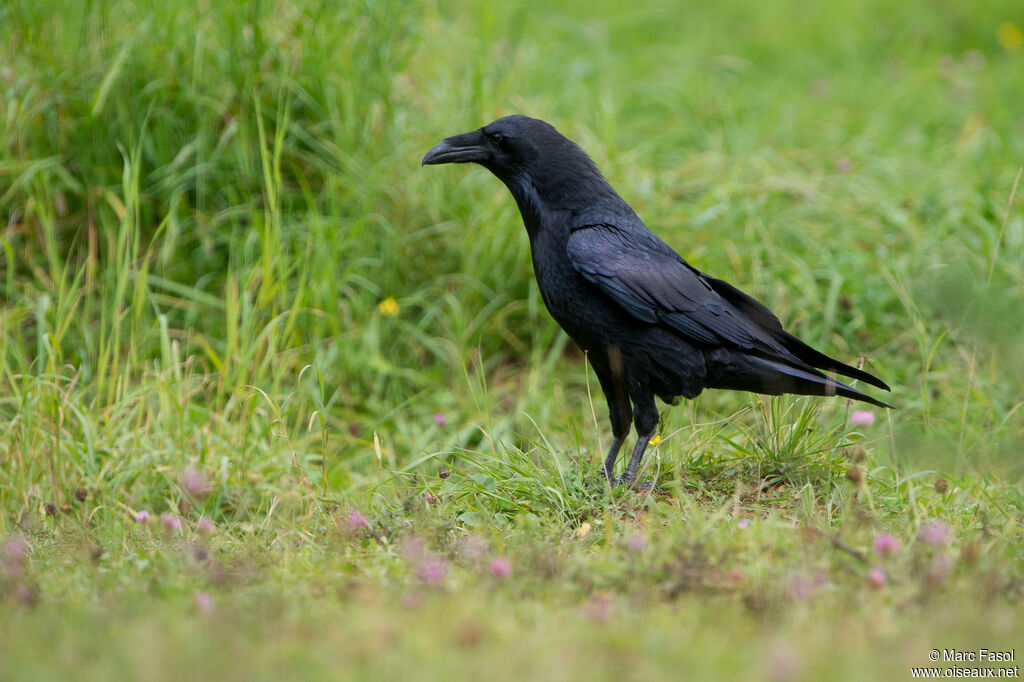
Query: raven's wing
x=655, y=285
x=652, y=282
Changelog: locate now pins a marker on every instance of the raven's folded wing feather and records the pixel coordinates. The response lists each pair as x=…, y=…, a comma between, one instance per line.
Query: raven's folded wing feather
x=656, y=286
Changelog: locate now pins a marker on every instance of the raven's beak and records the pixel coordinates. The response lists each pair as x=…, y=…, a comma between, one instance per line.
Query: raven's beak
x=459, y=149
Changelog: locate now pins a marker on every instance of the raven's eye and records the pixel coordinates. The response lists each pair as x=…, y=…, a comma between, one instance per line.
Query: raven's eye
x=497, y=139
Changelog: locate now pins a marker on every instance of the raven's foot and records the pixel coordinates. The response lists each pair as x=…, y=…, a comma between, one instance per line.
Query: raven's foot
x=639, y=486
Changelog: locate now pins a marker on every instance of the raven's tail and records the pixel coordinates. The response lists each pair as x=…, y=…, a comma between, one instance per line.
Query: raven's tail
x=818, y=359
x=775, y=377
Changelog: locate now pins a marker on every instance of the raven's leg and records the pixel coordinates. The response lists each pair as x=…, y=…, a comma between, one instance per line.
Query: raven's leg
x=615, y=393
x=613, y=454
x=645, y=416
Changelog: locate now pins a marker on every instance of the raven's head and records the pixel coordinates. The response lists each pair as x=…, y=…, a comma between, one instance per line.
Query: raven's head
x=506, y=147
x=541, y=167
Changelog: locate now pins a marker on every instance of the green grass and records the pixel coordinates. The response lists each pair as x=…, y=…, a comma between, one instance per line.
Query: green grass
x=207, y=206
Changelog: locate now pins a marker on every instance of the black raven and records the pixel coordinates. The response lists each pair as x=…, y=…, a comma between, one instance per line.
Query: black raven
x=650, y=323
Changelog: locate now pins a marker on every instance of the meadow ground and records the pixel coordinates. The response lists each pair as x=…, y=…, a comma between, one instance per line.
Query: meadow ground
x=277, y=403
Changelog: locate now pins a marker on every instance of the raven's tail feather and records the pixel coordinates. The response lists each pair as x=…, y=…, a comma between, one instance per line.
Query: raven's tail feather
x=774, y=377
x=818, y=359
x=813, y=382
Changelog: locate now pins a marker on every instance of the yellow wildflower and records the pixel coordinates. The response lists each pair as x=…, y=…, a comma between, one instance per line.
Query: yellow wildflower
x=1009, y=36
x=388, y=307
x=656, y=439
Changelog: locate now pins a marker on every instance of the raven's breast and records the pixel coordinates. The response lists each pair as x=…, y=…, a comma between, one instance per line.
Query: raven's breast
x=578, y=306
